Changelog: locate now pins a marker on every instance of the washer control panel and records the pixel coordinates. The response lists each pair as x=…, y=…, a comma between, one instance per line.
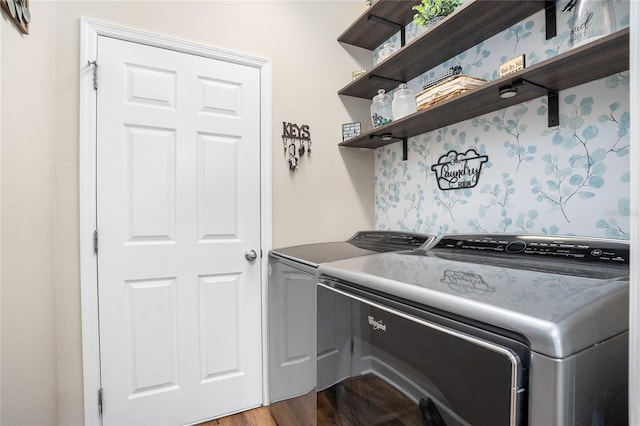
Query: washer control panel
x=401, y=240
x=539, y=246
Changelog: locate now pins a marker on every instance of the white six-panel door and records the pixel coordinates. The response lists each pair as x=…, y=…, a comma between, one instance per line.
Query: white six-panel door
x=178, y=205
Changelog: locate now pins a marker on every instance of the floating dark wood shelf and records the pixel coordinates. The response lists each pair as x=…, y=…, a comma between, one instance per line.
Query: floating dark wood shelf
x=369, y=33
x=598, y=59
x=471, y=24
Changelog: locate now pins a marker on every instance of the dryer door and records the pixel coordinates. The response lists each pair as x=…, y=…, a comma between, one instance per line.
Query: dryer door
x=409, y=366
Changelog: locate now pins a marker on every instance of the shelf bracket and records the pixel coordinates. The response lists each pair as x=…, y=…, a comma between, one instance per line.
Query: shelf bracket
x=389, y=137
x=387, y=79
x=405, y=148
x=391, y=24
x=550, y=19
x=553, y=113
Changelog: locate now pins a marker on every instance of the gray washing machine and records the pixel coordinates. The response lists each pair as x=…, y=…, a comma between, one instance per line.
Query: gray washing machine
x=292, y=316
x=478, y=330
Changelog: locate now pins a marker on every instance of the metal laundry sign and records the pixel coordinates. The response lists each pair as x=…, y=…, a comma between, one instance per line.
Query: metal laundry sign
x=459, y=170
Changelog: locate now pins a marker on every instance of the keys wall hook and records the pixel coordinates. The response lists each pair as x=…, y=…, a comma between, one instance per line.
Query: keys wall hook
x=296, y=141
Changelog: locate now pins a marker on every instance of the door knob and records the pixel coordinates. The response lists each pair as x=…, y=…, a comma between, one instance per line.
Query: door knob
x=250, y=255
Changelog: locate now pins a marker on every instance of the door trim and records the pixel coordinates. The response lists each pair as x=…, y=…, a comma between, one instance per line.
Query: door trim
x=634, y=294
x=90, y=30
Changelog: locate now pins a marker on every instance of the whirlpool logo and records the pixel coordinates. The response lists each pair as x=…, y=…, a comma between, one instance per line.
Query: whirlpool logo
x=377, y=325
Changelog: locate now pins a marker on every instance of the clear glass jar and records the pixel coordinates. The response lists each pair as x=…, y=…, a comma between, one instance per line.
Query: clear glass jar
x=592, y=19
x=404, y=102
x=386, y=51
x=381, y=112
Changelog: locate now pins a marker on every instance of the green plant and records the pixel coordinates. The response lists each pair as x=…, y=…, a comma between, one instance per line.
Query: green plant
x=429, y=9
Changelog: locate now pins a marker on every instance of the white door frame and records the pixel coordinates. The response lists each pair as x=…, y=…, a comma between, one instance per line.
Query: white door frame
x=89, y=31
x=634, y=293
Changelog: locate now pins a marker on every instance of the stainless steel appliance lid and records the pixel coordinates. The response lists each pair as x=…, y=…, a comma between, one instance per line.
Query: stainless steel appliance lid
x=360, y=244
x=559, y=313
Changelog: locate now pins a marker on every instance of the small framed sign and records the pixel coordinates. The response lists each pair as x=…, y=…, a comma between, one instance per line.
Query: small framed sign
x=350, y=131
x=357, y=74
x=514, y=65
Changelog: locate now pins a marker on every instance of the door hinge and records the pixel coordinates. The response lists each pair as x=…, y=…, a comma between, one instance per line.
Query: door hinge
x=95, y=73
x=100, y=401
x=95, y=241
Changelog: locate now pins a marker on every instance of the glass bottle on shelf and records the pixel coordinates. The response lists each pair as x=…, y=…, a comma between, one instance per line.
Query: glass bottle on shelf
x=386, y=51
x=381, y=112
x=592, y=19
x=404, y=102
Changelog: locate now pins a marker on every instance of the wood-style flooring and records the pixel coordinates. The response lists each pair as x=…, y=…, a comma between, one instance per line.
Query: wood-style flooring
x=299, y=411
x=363, y=401
x=257, y=417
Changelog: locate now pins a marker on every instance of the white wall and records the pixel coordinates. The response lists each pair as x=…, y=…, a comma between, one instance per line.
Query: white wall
x=328, y=198
x=29, y=369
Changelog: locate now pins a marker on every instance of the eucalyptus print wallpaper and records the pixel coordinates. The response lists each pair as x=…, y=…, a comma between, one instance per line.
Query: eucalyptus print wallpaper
x=572, y=179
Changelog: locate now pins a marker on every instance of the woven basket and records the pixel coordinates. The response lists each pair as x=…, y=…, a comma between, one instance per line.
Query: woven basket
x=449, y=88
